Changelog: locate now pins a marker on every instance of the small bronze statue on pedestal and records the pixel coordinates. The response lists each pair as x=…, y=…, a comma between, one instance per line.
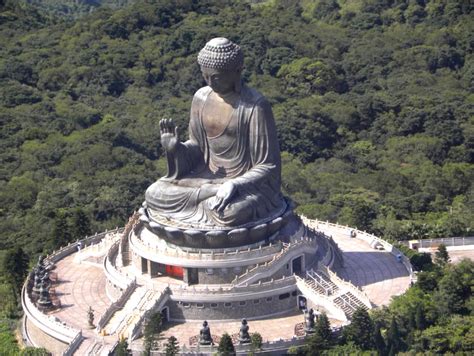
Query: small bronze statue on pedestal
x=309, y=321
x=205, y=335
x=90, y=318
x=244, y=336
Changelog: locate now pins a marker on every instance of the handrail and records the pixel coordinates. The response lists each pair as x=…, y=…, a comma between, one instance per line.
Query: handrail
x=217, y=256
x=328, y=288
x=184, y=290
x=73, y=345
x=117, y=305
x=111, y=272
x=371, y=239
x=269, y=266
x=73, y=246
x=342, y=284
x=50, y=324
x=163, y=298
x=321, y=299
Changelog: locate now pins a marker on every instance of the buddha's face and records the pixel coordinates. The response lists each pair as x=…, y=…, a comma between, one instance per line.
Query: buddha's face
x=221, y=81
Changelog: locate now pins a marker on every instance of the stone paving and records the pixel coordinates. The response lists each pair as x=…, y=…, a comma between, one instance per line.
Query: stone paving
x=81, y=285
x=271, y=329
x=378, y=273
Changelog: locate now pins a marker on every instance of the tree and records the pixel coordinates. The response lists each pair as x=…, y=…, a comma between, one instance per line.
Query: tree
x=379, y=341
x=441, y=256
x=420, y=319
x=256, y=341
x=226, y=347
x=394, y=341
x=34, y=351
x=151, y=332
x=172, y=347
x=454, y=288
x=427, y=281
x=81, y=226
x=315, y=345
x=61, y=230
x=323, y=328
x=361, y=330
x=15, y=265
x=122, y=348
x=322, y=338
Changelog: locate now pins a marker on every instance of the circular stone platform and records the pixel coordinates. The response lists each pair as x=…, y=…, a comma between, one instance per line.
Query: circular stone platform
x=81, y=283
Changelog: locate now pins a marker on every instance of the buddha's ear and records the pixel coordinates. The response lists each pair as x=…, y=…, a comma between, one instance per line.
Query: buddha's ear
x=238, y=82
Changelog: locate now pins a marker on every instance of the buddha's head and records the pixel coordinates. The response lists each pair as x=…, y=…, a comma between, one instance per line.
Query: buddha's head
x=221, y=63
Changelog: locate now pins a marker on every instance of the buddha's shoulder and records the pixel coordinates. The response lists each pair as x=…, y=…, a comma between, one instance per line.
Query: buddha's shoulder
x=248, y=96
x=202, y=93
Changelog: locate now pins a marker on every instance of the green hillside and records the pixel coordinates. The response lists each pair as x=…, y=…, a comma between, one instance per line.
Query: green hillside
x=373, y=102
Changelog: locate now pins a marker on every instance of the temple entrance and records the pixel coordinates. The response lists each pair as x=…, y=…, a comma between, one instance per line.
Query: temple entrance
x=165, y=314
x=193, y=277
x=297, y=265
x=302, y=302
x=144, y=265
x=174, y=271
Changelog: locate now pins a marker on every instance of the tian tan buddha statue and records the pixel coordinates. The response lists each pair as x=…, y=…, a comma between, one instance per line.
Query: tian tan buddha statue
x=227, y=174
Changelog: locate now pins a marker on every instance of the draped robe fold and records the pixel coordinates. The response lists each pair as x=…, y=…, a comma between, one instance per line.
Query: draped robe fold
x=246, y=153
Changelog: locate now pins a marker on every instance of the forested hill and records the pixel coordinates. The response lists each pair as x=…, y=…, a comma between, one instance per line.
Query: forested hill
x=65, y=10
x=373, y=102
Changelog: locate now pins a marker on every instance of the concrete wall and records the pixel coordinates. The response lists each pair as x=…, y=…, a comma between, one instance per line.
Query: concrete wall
x=251, y=309
x=220, y=275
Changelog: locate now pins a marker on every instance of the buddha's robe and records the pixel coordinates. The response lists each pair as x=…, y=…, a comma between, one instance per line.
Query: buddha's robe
x=246, y=152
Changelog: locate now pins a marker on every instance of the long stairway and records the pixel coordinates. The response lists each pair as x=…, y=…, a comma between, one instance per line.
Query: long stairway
x=319, y=285
x=128, y=309
x=127, y=321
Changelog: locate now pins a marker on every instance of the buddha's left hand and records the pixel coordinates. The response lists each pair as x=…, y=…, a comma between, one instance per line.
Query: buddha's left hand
x=223, y=196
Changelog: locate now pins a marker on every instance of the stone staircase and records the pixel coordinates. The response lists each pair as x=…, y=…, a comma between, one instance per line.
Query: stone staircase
x=126, y=322
x=321, y=283
x=266, y=269
x=120, y=315
x=349, y=303
x=322, y=286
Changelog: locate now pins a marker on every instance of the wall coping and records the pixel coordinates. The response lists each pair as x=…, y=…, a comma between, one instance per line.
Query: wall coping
x=371, y=239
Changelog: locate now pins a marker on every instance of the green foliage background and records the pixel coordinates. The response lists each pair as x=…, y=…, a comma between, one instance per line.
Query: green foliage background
x=373, y=102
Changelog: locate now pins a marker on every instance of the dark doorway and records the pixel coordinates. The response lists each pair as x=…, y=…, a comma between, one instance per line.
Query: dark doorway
x=193, y=277
x=296, y=265
x=302, y=302
x=144, y=265
x=164, y=314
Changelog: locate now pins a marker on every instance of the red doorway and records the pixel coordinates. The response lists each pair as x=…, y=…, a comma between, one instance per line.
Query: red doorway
x=174, y=271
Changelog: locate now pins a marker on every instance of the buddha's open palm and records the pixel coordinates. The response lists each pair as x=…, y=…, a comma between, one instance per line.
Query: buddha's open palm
x=169, y=135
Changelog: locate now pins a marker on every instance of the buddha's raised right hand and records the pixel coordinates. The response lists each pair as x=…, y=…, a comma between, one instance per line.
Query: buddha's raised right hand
x=169, y=135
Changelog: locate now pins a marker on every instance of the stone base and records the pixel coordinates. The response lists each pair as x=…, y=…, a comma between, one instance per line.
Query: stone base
x=218, y=237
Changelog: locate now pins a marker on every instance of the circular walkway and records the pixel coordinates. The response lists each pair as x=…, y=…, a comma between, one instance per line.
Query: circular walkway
x=81, y=285
x=378, y=273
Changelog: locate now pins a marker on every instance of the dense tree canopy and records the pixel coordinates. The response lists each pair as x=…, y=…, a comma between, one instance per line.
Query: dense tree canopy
x=372, y=99
x=372, y=102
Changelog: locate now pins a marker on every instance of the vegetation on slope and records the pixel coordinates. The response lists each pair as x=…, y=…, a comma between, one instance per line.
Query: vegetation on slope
x=373, y=102
x=433, y=317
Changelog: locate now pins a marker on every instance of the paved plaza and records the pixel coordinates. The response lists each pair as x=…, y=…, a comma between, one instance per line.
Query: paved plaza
x=378, y=273
x=81, y=285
